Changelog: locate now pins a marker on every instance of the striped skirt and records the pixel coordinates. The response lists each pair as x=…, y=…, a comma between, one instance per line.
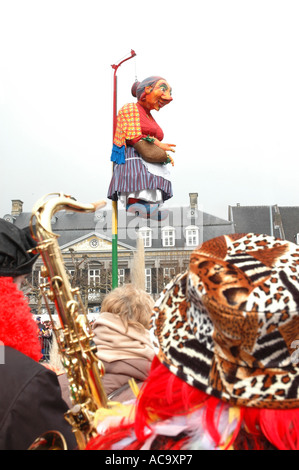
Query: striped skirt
x=133, y=176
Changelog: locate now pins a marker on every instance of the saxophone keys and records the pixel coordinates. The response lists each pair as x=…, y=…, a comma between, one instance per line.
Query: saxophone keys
x=50, y=295
x=44, y=271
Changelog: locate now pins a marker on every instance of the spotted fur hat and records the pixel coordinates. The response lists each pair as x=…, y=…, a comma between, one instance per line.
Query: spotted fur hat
x=229, y=325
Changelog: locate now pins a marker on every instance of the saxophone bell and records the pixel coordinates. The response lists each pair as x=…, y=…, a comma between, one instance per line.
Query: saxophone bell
x=51, y=440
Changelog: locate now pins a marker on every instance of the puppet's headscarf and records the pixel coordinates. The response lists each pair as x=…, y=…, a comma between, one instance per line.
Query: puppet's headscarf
x=138, y=88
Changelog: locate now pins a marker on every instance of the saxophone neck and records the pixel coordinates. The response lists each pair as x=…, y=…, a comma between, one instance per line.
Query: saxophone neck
x=45, y=208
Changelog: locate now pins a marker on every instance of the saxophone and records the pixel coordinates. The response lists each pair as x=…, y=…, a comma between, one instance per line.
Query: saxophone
x=74, y=336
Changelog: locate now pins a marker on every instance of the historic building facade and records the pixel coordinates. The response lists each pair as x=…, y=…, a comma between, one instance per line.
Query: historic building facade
x=85, y=241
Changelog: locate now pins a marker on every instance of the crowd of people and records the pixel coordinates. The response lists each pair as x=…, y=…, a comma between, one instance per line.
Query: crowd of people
x=45, y=335
x=214, y=359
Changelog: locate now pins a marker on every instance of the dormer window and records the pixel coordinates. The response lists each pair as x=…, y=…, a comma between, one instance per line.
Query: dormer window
x=146, y=234
x=168, y=236
x=192, y=235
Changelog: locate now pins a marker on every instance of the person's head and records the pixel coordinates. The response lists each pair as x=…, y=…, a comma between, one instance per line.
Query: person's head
x=153, y=93
x=18, y=328
x=16, y=259
x=229, y=325
x=133, y=305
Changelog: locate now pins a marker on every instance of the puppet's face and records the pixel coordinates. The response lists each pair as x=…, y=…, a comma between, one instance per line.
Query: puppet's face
x=158, y=95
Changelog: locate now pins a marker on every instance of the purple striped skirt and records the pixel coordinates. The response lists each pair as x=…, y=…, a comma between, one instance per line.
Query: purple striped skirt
x=133, y=176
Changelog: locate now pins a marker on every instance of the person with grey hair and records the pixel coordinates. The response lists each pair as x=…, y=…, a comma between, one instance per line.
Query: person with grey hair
x=122, y=339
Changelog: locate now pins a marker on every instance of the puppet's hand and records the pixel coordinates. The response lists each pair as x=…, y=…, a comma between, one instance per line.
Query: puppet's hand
x=170, y=160
x=166, y=147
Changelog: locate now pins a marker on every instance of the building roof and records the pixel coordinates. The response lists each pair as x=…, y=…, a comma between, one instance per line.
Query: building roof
x=279, y=221
x=72, y=226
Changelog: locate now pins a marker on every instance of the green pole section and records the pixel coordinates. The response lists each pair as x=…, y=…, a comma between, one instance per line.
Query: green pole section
x=114, y=246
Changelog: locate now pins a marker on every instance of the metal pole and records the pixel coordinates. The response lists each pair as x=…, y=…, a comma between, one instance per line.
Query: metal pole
x=114, y=203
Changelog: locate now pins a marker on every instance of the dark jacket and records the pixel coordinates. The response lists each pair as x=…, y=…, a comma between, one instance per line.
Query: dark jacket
x=30, y=402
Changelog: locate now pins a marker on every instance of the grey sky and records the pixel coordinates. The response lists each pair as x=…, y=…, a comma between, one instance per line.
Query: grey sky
x=233, y=67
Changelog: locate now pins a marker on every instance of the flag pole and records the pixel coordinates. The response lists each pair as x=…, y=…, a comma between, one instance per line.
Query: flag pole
x=114, y=203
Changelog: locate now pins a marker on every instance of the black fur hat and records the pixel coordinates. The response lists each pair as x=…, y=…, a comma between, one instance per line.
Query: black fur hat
x=15, y=243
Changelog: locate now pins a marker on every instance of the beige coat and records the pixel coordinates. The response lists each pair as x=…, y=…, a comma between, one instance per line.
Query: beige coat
x=125, y=354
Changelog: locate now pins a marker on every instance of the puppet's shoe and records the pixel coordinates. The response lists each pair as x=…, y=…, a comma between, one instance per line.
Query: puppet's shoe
x=154, y=213
x=160, y=215
x=139, y=210
x=152, y=210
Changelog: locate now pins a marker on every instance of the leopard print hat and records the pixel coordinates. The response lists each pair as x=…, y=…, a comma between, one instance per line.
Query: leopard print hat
x=229, y=325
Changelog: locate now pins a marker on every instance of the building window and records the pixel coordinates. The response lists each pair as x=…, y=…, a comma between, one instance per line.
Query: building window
x=121, y=277
x=148, y=280
x=40, y=279
x=146, y=234
x=74, y=277
x=168, y=236
x=192, y=235
x=168, y=273
x=94, y=277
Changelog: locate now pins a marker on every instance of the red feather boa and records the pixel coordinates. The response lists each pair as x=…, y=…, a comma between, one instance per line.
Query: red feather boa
x=18, y=328
x=164, y=395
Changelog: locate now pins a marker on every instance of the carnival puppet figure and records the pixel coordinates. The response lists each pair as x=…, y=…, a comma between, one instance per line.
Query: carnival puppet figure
x=141, y=179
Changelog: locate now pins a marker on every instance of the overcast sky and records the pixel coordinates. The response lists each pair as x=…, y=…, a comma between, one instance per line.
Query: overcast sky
x=234, y=69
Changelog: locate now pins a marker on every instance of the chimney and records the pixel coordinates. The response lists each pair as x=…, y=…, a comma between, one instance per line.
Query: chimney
x=17, y=207
x=193, y=200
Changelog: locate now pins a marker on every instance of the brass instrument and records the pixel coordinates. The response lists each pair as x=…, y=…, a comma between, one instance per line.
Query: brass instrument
x=74, y=337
